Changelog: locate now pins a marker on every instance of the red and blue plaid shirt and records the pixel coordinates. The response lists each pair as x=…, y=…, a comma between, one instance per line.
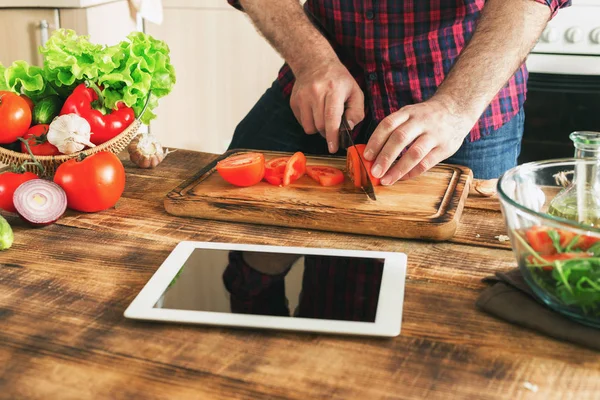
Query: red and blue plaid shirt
x=399, y=51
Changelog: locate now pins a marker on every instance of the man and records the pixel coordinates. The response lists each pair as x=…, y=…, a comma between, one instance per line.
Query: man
x=445, y=78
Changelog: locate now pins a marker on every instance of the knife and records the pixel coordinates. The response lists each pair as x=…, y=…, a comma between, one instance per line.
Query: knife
x=346, y=141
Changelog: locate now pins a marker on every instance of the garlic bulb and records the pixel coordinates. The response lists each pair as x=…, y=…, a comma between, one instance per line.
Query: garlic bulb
x=70, y=133
x=145, y=151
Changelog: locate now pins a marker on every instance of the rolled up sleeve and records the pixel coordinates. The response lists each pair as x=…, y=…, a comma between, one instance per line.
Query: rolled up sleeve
x=554, y=5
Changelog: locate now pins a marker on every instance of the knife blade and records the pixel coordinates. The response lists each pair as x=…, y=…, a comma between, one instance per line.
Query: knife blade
x=346, y=141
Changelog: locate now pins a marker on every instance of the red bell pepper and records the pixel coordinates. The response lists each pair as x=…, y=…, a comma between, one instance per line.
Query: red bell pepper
x=87, y=102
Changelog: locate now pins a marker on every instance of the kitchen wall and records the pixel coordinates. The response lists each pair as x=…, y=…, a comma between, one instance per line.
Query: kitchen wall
x=223, y=66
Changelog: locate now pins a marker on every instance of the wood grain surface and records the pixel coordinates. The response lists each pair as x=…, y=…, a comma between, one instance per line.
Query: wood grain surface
x=428, y=207
x=64, y=288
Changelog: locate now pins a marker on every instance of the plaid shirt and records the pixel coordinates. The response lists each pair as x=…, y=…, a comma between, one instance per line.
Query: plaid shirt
x=399, y=52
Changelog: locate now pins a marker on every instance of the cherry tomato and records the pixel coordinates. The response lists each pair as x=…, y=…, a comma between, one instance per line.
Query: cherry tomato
x=295, y=168
x=38, y=142
x=15, y=117
x=324, y=175
x=9, y=182
x=94, y=184
x=243, y=169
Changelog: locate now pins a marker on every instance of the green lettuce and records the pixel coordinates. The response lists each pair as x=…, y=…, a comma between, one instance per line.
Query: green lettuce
x=70, y=59
x=144, y=66
x=28, y=79
x=3, y=84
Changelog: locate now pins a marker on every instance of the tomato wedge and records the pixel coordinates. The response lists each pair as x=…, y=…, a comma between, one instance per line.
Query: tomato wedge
x=275, y=179
x=243, y=169
x=353, y=165
x=274, y=169
x=555, y=257
x=324, y=175
x=539, y=240
x=295, y=168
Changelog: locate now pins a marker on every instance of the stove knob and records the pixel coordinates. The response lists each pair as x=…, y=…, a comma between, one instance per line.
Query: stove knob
x=595, y=36
x=550, y=35
x=574, y=35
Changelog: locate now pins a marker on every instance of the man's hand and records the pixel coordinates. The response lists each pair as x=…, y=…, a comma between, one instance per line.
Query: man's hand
x=435, y=129
x=505, y=34
x=319, y=97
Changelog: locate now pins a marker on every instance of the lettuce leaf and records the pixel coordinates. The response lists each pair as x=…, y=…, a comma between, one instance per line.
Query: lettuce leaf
x=70, y=59
x=144, y=65
x=3, y=84
x=28, y=79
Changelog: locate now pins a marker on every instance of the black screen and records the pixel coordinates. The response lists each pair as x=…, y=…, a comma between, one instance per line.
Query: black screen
x=290, y=285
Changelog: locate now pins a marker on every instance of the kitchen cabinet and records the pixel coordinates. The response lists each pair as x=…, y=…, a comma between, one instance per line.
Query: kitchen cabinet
x=23, y=26
x=223, y=66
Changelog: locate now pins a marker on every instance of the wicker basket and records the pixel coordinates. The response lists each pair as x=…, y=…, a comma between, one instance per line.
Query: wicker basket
x=50, y=163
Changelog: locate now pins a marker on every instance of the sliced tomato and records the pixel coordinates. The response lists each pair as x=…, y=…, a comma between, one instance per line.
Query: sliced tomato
x=275, y=179
x=539, y=240
x=585, y=242
x=243, y=169
x=324, y=175
x=354, y=168
x=295, y=168
x=276, y=165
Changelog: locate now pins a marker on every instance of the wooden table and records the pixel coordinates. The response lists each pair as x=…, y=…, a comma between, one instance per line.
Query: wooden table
x=63, y=290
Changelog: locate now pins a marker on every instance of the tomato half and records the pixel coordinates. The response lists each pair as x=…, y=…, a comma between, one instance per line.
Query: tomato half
x=295, y=168
x=324, y=175
x=353, y=166
x=9, y=182
x=15, y=117
x=94, y=184
x=243, y=169
x=38, y=142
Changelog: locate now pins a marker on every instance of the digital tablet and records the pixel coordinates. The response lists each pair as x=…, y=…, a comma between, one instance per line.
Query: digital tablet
x=276, y=287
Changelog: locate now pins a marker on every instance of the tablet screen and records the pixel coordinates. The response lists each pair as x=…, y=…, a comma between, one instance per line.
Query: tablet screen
x=277, y=284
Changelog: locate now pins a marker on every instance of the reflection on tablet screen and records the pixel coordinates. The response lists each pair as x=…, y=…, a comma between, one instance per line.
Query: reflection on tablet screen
x=307, y=286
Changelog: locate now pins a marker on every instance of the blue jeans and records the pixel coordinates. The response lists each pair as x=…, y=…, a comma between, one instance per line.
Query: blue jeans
x=271, y=125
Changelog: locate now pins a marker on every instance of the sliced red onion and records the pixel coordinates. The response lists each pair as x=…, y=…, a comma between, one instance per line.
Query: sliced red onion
x=40, y=202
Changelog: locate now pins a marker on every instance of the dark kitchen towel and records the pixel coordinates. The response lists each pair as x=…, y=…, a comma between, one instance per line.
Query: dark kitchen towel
x=510, y=298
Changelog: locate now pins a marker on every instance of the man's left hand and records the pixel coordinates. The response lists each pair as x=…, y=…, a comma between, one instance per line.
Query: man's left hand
x=433, y=130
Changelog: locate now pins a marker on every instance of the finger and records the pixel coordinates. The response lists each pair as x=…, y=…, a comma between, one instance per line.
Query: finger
x=306, y=119
x=397, y=141
x=355, y=107
x=416, y=154
x=383, y=131
x=318, y=111
x=334, y=108
x=431, y=160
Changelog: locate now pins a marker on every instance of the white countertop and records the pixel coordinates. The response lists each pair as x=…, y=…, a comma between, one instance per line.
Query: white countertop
x=51, y=3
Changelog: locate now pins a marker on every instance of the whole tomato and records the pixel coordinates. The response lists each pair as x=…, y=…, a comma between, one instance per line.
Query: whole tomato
x=38, y=141
x=15, y=117
x=94, y=184
x=9, y=182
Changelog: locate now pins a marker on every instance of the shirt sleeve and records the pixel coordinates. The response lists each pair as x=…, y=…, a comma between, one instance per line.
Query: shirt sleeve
x=236, y=4
x=554, y=5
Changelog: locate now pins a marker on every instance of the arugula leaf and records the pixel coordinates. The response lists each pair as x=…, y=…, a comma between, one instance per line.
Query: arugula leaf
x=595, y=249
x=555, y=237
x=572, y=243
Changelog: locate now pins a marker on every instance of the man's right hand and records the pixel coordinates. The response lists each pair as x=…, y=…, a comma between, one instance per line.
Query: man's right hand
x=320, y=96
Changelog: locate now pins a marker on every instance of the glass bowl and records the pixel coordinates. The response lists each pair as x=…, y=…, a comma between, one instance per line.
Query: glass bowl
x=558, y=257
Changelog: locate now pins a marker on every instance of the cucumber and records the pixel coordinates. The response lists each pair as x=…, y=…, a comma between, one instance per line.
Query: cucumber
x=6, y=234
x=46, y=110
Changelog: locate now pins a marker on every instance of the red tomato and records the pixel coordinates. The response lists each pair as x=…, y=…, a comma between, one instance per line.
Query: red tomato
x=274, y=169
x=29, y=102
x=94, y=184
x=274, y=179
x=38, y=142
x=324, y=175
x=539, y=240
x=15, y=117
x=243, y=169
x=555, y=257
x=9, y=182
x=295, y=168
x=353, y=165
x=585, y=242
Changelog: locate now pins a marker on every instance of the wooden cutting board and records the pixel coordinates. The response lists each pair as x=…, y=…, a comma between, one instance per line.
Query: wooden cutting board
x=427, y=207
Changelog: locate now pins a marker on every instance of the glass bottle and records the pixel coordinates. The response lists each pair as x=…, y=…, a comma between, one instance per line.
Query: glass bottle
x=580, y=200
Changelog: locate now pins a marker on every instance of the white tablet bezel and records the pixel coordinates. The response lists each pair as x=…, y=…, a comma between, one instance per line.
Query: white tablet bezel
x=388, y=319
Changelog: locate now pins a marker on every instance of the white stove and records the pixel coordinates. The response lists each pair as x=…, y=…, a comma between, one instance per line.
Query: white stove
x=570, y=44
